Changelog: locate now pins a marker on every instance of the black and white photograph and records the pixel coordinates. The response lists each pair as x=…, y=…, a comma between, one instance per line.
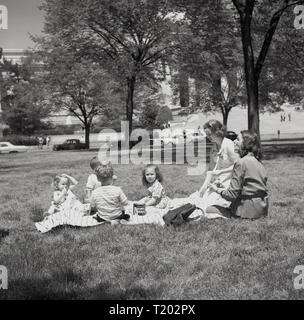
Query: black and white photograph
x=151, y=150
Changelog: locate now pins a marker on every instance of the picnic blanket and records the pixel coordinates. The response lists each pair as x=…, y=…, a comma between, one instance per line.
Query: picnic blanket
x=198, y=201
x=65, y=217
x=153, y=215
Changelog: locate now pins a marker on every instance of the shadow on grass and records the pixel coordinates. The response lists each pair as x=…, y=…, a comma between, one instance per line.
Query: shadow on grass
x=3, y=233
x=14, y=168
x=70, y=286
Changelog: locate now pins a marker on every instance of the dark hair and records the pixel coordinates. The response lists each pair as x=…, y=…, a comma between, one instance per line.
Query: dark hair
x=251, y=143
x=159, y=176
x=94, y=163
x=216, y=127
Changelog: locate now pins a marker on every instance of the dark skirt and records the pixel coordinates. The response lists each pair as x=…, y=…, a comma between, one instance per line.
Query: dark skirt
x=253, y=208
x=250, y=208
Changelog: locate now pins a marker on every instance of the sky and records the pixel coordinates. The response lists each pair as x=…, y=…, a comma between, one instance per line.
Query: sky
x=24, y=17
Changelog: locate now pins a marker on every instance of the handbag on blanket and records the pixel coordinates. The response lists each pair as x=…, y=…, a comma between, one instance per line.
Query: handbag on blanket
x=179, y=215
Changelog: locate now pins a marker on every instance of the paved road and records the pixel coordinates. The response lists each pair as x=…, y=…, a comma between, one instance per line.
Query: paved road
x=96, y=145
x=282, y=142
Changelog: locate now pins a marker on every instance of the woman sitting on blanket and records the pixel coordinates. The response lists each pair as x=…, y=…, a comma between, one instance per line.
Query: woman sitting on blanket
x=222, y=159
x=247, y=190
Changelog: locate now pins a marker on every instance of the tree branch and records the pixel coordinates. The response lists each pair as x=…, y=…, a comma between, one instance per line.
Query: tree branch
x=269, y=35
x=240, y=7
x=68, y=108
x=113, y=36
x=105, y=38
x=153, y=57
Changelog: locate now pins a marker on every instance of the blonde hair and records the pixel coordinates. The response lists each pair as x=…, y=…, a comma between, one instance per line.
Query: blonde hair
x=56, y=181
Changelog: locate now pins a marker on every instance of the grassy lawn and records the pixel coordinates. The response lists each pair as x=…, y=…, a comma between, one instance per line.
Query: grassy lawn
x=209, y=259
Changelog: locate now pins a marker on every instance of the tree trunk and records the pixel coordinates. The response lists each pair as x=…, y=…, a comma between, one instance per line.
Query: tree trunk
x=250, y=75
x=87, y=128
x=130, y=102
x=183, y=89
x=225, y=114
x=198, y=87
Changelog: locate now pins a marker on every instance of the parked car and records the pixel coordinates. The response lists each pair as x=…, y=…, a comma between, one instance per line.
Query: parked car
x=70, y=144
x=7, y=147
x=184, y=112
x=199, y=137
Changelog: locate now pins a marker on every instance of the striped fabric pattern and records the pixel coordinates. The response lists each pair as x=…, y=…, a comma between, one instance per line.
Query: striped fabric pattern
x=66, y=218
x=108, y=201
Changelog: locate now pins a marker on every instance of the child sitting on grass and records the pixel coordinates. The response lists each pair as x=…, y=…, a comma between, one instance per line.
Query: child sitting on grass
x=93, y=182
x=151, y=179
x=108, y=200
x=65, y=208
x=63, y=197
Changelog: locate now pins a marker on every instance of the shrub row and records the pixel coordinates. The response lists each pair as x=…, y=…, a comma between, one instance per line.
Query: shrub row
x=21, y=140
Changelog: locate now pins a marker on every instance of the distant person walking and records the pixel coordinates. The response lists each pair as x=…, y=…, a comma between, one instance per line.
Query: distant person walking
x=40, y=143
x=279, y=134
x=289, y=116
x=48, y=141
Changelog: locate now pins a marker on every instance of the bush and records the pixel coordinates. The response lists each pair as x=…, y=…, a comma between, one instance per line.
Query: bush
x=96, y=128
x=21, y=140
x=60, y=129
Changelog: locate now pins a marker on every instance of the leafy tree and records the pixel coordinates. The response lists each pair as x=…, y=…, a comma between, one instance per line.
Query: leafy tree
x=78, y=86
x=268, y=15
x=150, y=112
x=207, y=55
x=23, y=97
x=283, y=71
x=164, y=115
x=126, y=37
